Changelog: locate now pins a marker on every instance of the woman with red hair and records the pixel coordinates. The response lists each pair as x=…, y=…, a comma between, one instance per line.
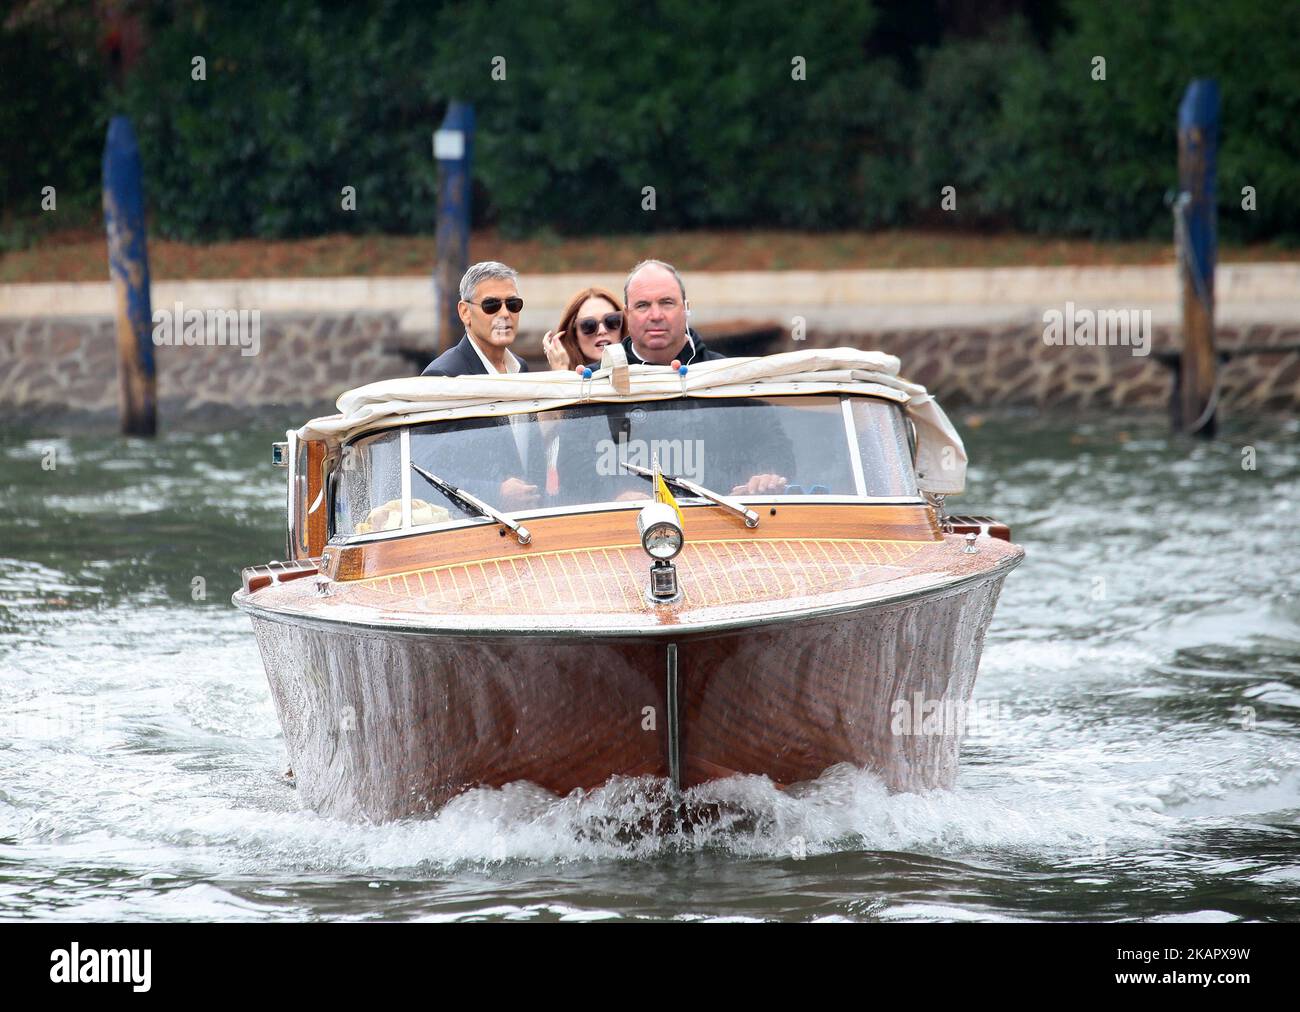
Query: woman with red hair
x=593, y=319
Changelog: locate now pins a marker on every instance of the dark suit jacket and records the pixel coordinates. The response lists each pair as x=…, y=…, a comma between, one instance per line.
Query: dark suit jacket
x=479, y=459
x=499, y=455
x=461, y=360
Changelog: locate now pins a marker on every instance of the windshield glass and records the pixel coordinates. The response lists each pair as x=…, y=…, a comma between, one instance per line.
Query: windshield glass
x=883, y=448
x=368, y=485
x=571, y=456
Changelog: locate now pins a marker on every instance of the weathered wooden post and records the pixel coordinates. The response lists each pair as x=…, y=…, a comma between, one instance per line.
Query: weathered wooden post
x=128, y=270
x=453, y=145
x=1196, y=235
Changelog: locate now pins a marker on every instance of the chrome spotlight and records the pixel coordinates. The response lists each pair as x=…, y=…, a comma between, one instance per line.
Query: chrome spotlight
x=662, y=539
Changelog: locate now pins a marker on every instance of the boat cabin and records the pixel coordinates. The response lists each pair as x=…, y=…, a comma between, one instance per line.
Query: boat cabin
x=402, y=476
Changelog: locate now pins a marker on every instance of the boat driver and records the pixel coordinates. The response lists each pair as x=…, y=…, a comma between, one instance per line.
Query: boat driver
x=659, y=334
x=657, y=315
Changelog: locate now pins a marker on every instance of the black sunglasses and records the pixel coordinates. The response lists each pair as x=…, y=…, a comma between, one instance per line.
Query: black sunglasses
x=492, y=305
x=613, y=323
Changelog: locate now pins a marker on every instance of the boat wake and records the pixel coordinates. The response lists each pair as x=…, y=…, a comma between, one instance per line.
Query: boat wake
x=844, y=810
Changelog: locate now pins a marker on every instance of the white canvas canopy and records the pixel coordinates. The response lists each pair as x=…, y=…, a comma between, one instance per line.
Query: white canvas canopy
x=940, y=456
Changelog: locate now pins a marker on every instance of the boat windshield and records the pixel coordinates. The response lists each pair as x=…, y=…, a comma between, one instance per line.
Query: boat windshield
x=828, y=445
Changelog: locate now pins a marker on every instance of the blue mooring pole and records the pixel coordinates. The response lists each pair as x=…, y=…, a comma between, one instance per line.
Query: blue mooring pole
x=1196, y=233
x=453, y=149
x=128, y=270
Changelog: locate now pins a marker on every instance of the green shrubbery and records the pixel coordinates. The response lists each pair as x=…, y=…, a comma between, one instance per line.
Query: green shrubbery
x=52, y=125
x=1096, y=157
x=698, y=101
x=955, y=135
x=300, y=100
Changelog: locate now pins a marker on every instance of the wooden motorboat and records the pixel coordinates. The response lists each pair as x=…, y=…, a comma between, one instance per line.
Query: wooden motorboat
x=421, y=639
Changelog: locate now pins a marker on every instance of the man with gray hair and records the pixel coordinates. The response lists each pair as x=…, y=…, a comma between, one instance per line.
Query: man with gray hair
x=489, y=308
x=657, y=314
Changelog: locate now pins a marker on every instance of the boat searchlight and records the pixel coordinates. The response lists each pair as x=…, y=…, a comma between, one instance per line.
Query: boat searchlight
x=662, y=538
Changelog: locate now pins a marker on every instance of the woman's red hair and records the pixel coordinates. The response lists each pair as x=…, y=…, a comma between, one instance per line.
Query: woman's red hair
x=568, y=328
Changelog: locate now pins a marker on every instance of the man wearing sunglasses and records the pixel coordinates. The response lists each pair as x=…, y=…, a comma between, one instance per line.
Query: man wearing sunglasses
x=489, y=307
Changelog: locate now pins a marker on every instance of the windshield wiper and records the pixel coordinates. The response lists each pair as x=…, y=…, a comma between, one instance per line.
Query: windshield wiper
x=717, y=498
x=472, y=503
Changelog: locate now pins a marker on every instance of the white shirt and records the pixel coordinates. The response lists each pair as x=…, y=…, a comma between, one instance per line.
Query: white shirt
x=512, y=363
x=517, y=422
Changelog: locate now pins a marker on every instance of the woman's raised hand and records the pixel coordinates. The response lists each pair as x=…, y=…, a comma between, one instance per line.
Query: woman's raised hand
x=555, y=353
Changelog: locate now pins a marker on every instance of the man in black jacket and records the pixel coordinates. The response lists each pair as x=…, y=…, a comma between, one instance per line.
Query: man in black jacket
x=489, y=308
x=657, y=315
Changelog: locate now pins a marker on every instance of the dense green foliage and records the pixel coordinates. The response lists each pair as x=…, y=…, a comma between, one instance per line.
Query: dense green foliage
x=1096, y=157
x=52, y=124
x=299, y=100
x=590, y=103
x=692, y=99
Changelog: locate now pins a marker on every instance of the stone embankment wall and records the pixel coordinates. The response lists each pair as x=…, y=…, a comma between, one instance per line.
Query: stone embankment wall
x=988, y=367
x=57, y=365
x=974, y=338
x=51, y=366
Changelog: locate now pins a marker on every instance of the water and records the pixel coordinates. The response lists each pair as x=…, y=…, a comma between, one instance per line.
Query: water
x=1141, y=759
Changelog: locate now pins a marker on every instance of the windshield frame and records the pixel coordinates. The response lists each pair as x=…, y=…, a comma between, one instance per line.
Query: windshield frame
x=764, y=499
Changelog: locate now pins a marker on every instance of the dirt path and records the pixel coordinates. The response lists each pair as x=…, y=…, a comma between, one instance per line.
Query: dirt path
x=78, y=255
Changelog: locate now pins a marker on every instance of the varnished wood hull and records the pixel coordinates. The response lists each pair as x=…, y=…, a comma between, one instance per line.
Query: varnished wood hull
x=386, y=723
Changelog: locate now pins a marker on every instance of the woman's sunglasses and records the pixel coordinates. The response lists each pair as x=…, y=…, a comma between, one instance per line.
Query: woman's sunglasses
x=492, y=304
x=613, y=323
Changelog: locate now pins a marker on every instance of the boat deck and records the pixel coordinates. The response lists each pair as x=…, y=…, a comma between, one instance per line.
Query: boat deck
x=600, y=589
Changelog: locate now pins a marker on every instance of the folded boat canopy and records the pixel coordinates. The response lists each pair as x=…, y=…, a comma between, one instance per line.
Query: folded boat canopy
x=940, y=455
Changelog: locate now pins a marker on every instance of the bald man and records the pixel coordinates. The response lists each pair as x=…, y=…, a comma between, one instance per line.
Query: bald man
x=657, y=311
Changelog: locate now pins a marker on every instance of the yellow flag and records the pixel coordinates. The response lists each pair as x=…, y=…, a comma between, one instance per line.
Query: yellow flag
x=663, y=495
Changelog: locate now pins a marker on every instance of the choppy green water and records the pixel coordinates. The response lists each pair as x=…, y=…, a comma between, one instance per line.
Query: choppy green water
x=1143, y=666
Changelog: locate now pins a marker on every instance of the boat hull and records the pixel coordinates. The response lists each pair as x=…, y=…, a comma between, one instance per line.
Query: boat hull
x=384, y=723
